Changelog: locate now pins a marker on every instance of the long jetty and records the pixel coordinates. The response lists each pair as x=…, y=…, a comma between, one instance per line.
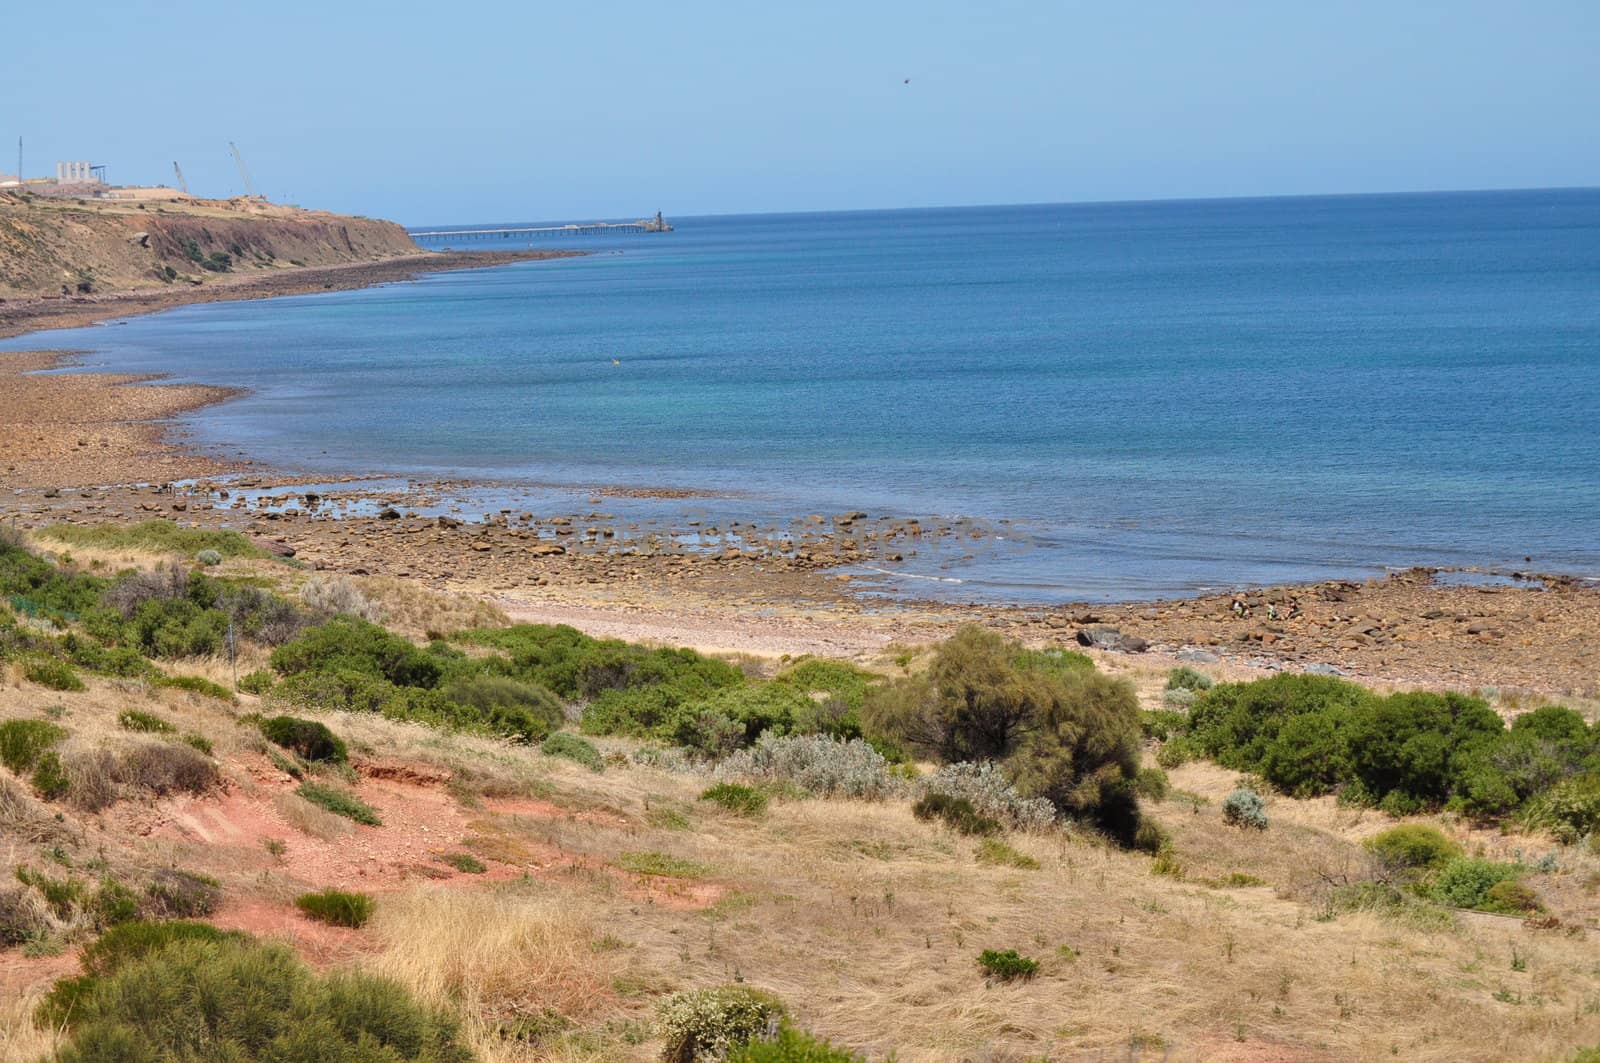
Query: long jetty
x=532, y=232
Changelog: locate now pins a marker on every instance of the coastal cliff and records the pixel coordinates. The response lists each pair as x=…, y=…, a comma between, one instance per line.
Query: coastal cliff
x=77, y=247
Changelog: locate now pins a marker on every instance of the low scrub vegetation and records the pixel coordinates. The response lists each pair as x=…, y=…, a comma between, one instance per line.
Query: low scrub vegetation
x=145, y=722
x=23, y=742
x=792, y=1046
x=660, y=865
x=818, y=764
x=310, y=740
x=736, y=798
x=186, y=991
x=339, y=802
x=174, y=894
x=1007, y=966
x=1308, y=735
x=336, y=907
x=466, y=863
x=957, y=813
x=706, y=1024
x=574, y=748
x=1062, y=732
x=1244, y=809
x=153, y=536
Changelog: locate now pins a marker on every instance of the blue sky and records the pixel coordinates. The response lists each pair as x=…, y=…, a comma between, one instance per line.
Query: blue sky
x=526, y=110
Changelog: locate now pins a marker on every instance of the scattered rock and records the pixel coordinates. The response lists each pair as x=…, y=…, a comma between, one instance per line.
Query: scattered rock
x=1105, y=637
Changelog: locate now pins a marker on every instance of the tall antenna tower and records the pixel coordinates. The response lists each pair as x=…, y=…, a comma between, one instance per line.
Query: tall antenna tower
x=249, y=186
x=183, y=185
x=19, y=162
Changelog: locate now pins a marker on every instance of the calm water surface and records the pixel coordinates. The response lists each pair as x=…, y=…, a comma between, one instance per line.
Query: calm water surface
x=1161, y=397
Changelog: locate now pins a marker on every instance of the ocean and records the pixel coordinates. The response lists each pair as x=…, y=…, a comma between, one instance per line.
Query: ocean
x=1155, y=398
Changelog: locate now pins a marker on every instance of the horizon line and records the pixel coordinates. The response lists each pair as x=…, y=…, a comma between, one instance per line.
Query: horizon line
x=1137, y=200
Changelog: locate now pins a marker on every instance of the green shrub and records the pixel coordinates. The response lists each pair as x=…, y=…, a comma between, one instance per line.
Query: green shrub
x=252, y=1002
x=22, y=742
x=660, y=865
x=309, y=739
x=1309, y=735
x=1570, y=810
x=958, y=813
x=33, y=587
x=1161, y=724
x=51, y=672
x=792, y=1046
x=509, y=706
x=1007, y=966
x=112, y=903
x=144, y=722
x=1412, y=848
x=1152, y=783
x=574, y=748
x=1465, y=882
x=336, y=907
x=199, y=743
x=124, y=942
x=1177, y=751
x=339, y=802
x=744, y=800
x=1063, y=731
x=347, y=644
x=195, y=684
x=1186, y=678
x=466, y=863
x=174, y=894
x=1244, y=809
x=707, y=1024
x=836, y=679
x=1511, y=898
x=49, y=777
x=1403, y=906
x=580, y=668
x=62, y=895
x=208, y=557
x=997, y=853
x=258, y=682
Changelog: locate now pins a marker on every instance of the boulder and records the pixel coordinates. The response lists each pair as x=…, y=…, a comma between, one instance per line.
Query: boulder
x=1105, y=637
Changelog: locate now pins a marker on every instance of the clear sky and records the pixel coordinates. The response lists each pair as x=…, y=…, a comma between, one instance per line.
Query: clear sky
x=501, y=110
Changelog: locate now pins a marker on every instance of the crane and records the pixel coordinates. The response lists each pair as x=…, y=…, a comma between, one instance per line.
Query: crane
x=183, y=185
x=249, y=186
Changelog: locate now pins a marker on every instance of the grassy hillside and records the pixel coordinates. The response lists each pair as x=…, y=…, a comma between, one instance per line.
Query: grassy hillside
x=552, y=847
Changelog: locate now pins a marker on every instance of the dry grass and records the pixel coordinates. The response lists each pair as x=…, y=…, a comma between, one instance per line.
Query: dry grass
x=308, y=819
x=511, y=958
x=868, y=922
x=20, y=1040
x=416, y=610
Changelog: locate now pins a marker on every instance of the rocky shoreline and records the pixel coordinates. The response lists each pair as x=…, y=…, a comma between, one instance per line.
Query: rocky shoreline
x=90, y=448
x=789, y=589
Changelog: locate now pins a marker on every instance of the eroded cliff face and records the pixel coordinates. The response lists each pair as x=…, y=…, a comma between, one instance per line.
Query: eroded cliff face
x=62, y=247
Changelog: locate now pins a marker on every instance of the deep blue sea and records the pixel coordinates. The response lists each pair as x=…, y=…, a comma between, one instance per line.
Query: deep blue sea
x=1162, y=397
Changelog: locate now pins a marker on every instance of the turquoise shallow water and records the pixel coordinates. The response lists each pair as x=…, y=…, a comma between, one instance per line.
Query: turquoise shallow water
x=1163, y=397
